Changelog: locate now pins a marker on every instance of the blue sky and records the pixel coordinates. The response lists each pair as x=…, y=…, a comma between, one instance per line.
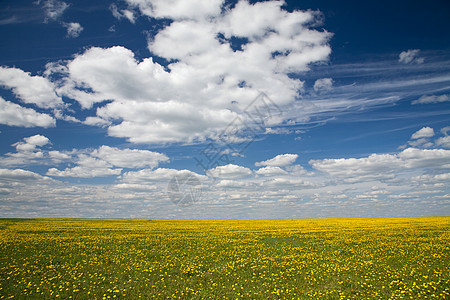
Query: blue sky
x=260, y=109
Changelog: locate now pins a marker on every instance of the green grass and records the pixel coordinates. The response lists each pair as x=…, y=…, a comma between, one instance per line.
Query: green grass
x=385, y=258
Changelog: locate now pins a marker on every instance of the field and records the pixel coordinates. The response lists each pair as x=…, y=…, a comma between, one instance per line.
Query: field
x=379, y=258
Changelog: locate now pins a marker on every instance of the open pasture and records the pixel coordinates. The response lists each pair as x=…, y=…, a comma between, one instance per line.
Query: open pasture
x=377, y=258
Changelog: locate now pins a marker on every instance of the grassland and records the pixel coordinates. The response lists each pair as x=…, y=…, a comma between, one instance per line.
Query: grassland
x=381, y=258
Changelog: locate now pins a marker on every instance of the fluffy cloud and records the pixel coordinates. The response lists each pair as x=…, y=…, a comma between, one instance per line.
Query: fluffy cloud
x=270, y=171
x=355, y=169
x=73, y=29
x=410, y=57
x=30, y=89
x=443, y=141
x=84, y=172
x=281, y=160
x=160, y=175
x=427, y=158
x=30, y=143
x=129, y=158
x=323, y=85
x=432, y=99
x=383, y=166
x=176, y=9
x=19, y=174
x=229, y=171
x=88, y=167
x=150, y=103
x=15, y=115
x=423, y=133
x=288, y=183
x=107, y=161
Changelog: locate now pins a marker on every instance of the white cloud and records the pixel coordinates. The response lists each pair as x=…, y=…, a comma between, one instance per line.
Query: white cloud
x=153, y=104
x=30, y=89
x=229, y=171
x=383, y=166
x=12, y=114
x=106, y=161
x=177, y=9
x=54, y=9
x=84, y=172
x=428, y=178
x=160, y=175
x=73, y=29
x=323, y=85
x=20, y=175
x=432, y=99
x=288, y=183
x=123, y=13
x=96, y=121
x=425, y=158
x=232, y=184
x=270, y=171
x=355, y=169
x=59, y=156
x=443, y=141
x=129, y=158
x=88, y=167
x=281, y=160
x=410, y=57
x=30, y=143
x=421, y=142
x=425, y=132
x=445, y=130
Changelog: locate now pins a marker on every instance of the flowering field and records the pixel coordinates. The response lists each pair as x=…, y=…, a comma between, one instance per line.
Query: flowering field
x=382, y=258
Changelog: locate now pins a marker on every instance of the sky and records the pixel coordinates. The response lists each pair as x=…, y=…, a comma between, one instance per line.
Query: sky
x=224, y=109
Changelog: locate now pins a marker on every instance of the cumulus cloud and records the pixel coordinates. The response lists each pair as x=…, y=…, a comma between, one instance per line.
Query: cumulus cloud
x=129, y=158
x=288, y=183
x=87, y=167
x=96, y=121
x=12, y=114
x=20, y=175
x=73, y=29
x=30, y=89
x=281, y=160
x=150, y=103
x=355, y=169
x=107, y=161
x=323, y=85
x=443, y=141
x=410, y=57
x=160, y=175
x=30, y=143
x=429, y=178
x=84, y=172
x=383, y=166
x=270, y=171
x=422, y=142
x=425, y=132
x=432, y=99
x=176, y=9
x=229, y=171
x=425, y=158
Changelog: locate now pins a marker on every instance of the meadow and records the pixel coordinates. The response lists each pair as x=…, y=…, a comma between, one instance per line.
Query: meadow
x=376, y=258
